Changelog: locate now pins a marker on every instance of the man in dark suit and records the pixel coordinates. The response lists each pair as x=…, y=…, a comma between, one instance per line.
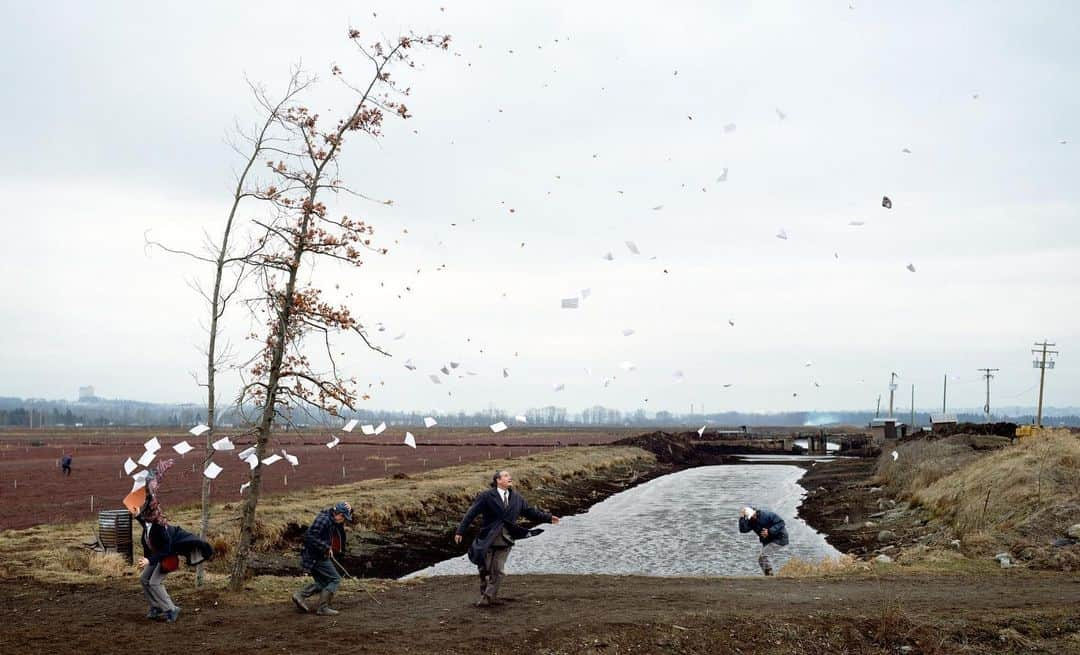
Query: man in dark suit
x=501, y=507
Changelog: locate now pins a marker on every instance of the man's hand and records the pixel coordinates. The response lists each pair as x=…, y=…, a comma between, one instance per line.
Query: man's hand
x=555, y=520
x=764, y=533
x=143, y=562
x=457, y=539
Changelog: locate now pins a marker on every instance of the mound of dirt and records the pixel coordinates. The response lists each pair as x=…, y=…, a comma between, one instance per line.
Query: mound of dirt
x=668, y=447
x=996, y=429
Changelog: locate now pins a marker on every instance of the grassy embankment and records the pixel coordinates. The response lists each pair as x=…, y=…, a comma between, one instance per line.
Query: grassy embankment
x=1016, y=498
x=57, y=553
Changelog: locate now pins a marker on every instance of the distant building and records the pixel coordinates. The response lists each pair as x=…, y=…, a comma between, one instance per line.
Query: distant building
x=86, y=394
x=941, y=422
x=884, y=429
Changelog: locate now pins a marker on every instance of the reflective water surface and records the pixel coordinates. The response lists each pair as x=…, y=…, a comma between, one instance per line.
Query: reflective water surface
x=685, y=523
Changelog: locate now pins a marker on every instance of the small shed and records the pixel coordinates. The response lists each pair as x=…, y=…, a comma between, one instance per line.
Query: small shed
x=942, y=422
x=885, y=429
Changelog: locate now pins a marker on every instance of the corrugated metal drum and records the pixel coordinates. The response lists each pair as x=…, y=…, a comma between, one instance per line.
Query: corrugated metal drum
x=114, y=530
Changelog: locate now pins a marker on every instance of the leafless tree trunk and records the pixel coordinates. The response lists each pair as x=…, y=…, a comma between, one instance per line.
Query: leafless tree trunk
x=283, y=376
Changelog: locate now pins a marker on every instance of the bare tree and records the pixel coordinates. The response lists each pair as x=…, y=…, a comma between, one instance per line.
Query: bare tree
x=300, y=231
x=230, y=268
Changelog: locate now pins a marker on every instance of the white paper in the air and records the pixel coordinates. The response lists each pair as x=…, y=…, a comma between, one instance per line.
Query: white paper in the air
x=350, y=425
x=410, y=440
x=569, y=303
x=380, y=428
x=199, y=429
x=367, y=429
x=183, y=448
x=147, y=457
x=252, y=461
x=430, y=422
x=558, y=387
x=627, y=332
x=212, y=470
x=244, y=486
x=434, y=378
x=152, y=446
x=521, y=419
x=129, y=466
x=292, y=459
x=271, y=460
x=333, y=442
x=223, y=444
x=498, y=427
x=701, y=431
x=247, y=452
x=632, y=247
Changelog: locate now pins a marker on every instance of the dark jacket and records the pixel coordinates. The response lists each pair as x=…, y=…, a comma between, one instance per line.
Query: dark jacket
x=496, y=517
x=159, y=541
x=763, y=518
x=319, y=538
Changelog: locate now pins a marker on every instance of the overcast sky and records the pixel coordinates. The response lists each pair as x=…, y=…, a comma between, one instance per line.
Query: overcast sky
x=582, y=117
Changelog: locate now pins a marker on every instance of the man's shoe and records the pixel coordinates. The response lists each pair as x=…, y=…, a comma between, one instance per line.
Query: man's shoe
x=485, y=601
x=154, y=614
x=324, y=604
x=298, y=600
x=170, y=616
x=768, y=572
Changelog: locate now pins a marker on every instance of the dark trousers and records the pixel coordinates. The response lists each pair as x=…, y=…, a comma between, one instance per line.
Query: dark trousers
x=67, y=469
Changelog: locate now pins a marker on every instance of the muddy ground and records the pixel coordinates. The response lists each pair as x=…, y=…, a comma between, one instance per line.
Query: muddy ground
x=1011, y=612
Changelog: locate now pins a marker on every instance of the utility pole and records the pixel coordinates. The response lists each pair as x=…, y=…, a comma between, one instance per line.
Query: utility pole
x=877, y=412
x=892, y=391
x=1042, y=364
x=988, y=373
x=913, y=408
x=944, y=393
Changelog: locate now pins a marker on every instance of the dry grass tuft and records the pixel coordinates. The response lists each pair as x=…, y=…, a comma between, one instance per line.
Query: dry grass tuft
x=800, y=568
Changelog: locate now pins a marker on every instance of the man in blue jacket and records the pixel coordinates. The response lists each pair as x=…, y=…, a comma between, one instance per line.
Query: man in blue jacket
x=325, y=537
x=770, y=531
x=501, y=508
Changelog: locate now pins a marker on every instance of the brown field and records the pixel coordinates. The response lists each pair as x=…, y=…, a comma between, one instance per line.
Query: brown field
x=33, y=491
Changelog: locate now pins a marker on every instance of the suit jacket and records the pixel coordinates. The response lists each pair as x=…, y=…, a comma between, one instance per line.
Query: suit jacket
x=496, y=519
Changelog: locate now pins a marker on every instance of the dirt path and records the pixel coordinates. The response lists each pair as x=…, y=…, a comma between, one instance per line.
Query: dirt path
x=1010, y=612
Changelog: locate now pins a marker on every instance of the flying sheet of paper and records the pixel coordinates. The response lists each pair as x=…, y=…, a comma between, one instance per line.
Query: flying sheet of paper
x=886, y=202
x=333, y=442
x=445, y=371
x=729, y=128
x=569, y=303
x=678, y=375
x=701, y=431
x=367, y=429
x=609, y=257
x=152, y=446
x=585, y=293
x=183, y=448
x=895, y=455
x=723, y=175
x=606, y=382
x=558, y=386
x=410, y=440
x=656, y=209
x=498, y=427
x=244, y=486
x=129, y=466
x=434, y=378
x=521, y=419
x=911, y=267
x=139, y=480
x=430, y=422
x=627, y=366
x=350, y=425
x=147, y=457
x=632, y=247
x=380, y=428
x=271, y=460
x=409, y=365
x=199, y=429
x=212, y=470
x=223, y=444
x=627, y=332
x=399, y=337
x=252, y=461
x=247, y=452
x=856, y=223
x=781, y=235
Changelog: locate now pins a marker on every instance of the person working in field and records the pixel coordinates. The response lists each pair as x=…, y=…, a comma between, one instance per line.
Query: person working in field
x=163, y=545
x=65, y=464
x=770, y=531
x=501, y=507
x=325, y=537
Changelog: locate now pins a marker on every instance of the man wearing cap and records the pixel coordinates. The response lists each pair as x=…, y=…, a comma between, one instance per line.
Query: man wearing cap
x=501, y=507
x=770, y=531
x=325, y=537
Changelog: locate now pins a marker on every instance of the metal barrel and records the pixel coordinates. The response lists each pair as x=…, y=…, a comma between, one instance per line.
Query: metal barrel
x=114, y=531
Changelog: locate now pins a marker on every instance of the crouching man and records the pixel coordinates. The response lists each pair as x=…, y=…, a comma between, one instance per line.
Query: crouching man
x=770, y=531
x=325, y=537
